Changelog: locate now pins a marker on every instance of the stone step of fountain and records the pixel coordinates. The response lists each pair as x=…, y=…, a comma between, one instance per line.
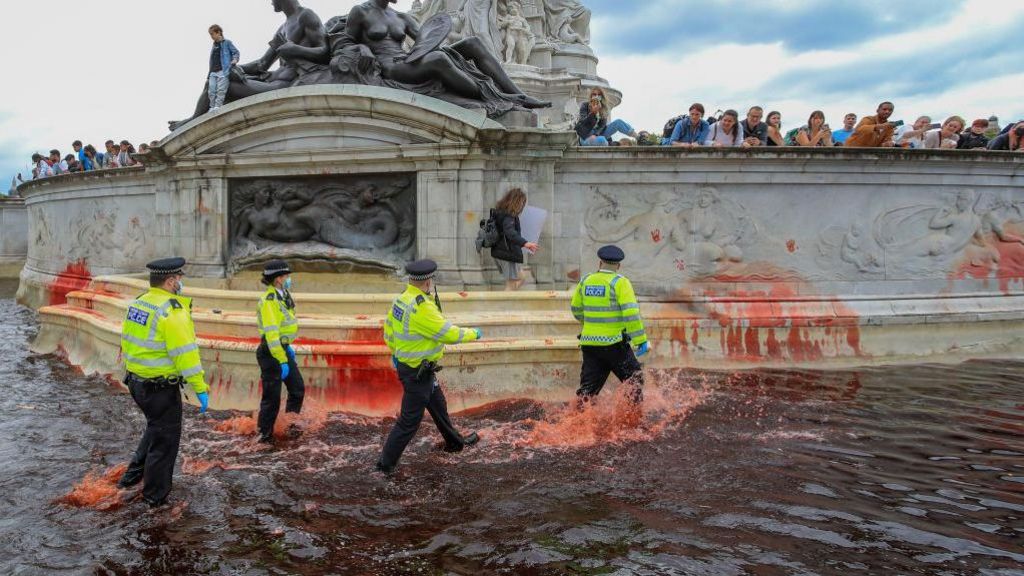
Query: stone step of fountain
x=126, y=287
x=358, y=328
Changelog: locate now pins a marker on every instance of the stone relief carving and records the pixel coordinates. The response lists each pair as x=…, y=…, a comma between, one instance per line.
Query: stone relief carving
x=923, y=239
x=700, y=232
x=518, y=36
x=567, y=21
x=371, y=219
x=104, y=236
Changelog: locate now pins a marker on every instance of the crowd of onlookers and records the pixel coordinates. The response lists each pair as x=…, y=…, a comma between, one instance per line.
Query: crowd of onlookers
x=86, y=159
x=727, y=129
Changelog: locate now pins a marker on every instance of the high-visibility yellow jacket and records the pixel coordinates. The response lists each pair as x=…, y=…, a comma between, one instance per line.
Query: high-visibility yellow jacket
x=158, y=339
x=415, y=330
x=606, y=305
x=277, y=323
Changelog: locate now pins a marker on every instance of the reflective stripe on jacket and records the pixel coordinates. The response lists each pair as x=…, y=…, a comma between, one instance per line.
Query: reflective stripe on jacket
x=415, y=330
x=277, y=323
x=606, y=305
x=158, y=339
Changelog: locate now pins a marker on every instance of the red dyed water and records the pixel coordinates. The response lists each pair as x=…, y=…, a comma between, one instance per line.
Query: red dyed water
x=310, y=421
x=610, y=418
x=98, y=490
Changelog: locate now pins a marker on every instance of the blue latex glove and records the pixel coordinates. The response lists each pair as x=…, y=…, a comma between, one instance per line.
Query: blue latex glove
x=204, y=401
x=479, y=333
x=290, y=352
x=285, y=371
x=643, y=349
x=394, y=360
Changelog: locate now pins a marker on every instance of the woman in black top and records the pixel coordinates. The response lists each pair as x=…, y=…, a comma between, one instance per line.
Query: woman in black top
x=508, y=252
x=594, y=127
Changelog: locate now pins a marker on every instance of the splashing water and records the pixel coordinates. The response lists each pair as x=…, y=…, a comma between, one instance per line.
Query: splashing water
x=310, y=421
x=97, y=490
x=611, y=419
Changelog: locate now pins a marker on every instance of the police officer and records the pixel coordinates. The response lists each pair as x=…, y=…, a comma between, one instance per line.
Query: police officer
x=416, y=333
x=606, y=305
x=275, y=317
x=158, y=344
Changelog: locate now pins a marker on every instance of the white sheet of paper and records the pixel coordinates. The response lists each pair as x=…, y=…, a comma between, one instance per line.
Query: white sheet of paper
x=532, y=222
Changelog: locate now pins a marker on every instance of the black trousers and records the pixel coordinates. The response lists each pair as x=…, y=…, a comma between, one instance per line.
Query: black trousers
x=599, y=361
x=270, y=374
x=419, y=394
x=158, y=450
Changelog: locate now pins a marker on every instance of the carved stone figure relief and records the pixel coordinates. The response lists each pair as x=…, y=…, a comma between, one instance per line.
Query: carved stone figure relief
x=518, y=36
x=699, y=231
x=366, y=219
x=567, y=21
x=923, y=240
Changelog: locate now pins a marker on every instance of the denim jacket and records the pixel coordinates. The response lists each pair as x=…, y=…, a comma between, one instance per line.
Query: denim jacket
x=684, y=132
x=229, y=55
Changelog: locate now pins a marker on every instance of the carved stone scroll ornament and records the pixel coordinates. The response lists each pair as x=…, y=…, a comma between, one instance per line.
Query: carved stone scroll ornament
x=371, y=219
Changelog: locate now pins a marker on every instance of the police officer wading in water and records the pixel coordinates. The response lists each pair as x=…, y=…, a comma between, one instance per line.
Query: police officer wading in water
x=278, y=327
x=606, y=305
x=158, y=344
x=416, y=333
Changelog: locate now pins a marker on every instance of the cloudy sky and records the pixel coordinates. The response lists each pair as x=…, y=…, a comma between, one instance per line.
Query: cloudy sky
x=99, y=70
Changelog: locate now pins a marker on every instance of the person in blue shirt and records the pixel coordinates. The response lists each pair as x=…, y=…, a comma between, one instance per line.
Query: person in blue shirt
x=223, y=56
x=691, y=131
x=849, y=123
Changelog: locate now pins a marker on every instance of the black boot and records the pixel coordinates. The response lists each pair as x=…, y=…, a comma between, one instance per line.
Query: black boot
x=267, y=439
x=470, y=440
x=386, y=470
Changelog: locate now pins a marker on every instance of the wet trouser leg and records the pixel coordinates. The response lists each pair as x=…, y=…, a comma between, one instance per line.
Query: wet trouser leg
x=270, y=374
x=419, y=394
x=158, y=450
x=600, y=361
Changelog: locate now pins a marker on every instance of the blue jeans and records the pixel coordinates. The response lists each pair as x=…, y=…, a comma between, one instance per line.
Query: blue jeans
x=615, y=126
x=218, y=89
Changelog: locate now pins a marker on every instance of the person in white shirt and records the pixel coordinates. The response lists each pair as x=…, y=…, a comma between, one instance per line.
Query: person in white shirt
x=40, y=167
x=727, y=132
x=947, y=136
x=913, y=136
x=57, y=166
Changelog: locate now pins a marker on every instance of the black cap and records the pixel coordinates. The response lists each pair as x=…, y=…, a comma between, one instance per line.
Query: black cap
x=275, y=268
x=611, y=254
x=166, y=266
x=421, y=269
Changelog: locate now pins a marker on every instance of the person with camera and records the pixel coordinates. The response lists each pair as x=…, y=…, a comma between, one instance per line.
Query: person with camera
x=508, y=250
x=945, y=137
x=416, y=333
x=1011, y=139
x=816, y=132
x=874, y=131
x=593, y=126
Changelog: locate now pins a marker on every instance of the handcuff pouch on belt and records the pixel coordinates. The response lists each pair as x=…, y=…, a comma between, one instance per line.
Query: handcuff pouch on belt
x=426, y=368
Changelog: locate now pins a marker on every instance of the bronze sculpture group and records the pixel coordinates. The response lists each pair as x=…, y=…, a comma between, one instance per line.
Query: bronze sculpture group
x=367, y=47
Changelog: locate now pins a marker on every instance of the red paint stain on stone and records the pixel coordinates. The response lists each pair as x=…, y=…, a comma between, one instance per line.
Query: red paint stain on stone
x=656, y=235
x=573, y=275
x=791, y=246
x=76, y=276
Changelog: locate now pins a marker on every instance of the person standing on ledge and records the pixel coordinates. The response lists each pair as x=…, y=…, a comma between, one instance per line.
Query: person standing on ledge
x=874, y=131
x=606, y=305
x=508, y=252
x=278, y=327
x=158, y=344
x=416, y=333
x=223, y=57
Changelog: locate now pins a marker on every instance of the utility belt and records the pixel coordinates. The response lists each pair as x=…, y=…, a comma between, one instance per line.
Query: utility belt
x=285, y=341
x=159, y=382
x=425, y=368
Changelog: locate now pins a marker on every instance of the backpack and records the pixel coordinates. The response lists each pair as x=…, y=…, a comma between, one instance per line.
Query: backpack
x=666, y=132
x=790, y=138
x=488, y=235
